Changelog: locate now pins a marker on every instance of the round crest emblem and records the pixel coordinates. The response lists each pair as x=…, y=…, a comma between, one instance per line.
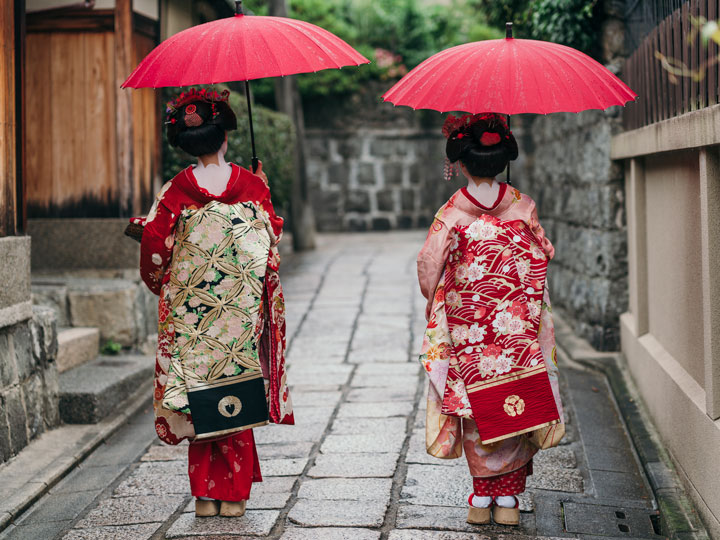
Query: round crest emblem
x=514, y=405
x=229, y=406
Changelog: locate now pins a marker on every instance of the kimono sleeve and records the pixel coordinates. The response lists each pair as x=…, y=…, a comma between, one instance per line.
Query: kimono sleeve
x=275, y=229
x=431, y=260
x=157, y=243
x=539, y=233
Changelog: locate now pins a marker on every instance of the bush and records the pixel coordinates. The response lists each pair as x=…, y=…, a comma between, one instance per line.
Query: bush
x=274, y=140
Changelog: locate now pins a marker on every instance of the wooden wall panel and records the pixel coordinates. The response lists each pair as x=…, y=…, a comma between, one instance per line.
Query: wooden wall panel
x=146, y=134
x=70, y=132
x=8, y=194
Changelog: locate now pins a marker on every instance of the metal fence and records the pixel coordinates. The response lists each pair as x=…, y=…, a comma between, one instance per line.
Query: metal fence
x=661, y=94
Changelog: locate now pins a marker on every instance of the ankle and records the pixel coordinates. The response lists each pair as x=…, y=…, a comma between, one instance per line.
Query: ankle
x=506, y=501
x=477, y=501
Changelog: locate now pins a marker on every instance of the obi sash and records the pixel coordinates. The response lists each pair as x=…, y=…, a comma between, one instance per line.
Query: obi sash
x=494, y=283
x=217, y=295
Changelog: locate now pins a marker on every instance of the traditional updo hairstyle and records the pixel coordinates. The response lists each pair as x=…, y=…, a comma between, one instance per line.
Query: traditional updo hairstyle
x=482, y=142
x=197, y=121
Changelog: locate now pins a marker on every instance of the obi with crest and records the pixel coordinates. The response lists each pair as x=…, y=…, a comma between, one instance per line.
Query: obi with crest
x=494, y=283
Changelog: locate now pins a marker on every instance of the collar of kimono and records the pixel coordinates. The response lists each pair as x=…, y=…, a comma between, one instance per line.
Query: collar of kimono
x=242, y=186
x=468, y=204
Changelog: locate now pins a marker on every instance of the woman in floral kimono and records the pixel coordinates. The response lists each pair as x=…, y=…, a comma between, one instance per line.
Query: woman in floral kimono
x=209, y=250
x=489, y=346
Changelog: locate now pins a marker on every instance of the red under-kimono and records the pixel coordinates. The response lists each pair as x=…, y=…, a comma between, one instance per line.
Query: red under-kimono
x=498, y=467
x=222, y=468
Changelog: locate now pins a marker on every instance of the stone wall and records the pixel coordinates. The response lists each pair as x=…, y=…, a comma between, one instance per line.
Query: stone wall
x=28, y=346
x=376, y=179
x=580, y=196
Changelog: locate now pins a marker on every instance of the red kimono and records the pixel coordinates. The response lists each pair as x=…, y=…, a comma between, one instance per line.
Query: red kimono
x=225, y=467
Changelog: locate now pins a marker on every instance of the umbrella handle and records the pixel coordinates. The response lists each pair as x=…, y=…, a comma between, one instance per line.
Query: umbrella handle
x=255, y=160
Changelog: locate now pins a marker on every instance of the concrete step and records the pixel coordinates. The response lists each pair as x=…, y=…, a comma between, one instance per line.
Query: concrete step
x=76, y=346
x=90, y=392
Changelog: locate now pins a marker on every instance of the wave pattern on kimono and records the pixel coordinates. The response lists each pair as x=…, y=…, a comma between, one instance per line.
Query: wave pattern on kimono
x=214, y=263
x=494, y=283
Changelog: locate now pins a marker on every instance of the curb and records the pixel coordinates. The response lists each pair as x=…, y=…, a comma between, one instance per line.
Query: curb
x=25, y=496
x=678, y=519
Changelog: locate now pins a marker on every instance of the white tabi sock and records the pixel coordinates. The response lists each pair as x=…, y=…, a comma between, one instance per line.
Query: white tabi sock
x=481, y=502
x=506, y=501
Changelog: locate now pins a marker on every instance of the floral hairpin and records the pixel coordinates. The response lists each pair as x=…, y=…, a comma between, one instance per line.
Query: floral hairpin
x=209, y=96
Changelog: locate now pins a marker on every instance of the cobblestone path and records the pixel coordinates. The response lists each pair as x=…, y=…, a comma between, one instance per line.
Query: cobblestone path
x=354, y=466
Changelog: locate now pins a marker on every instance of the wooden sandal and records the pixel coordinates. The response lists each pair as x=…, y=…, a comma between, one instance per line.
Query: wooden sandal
x=477, y=516
x=232, y=508
x=206, y=508
x=507, y=516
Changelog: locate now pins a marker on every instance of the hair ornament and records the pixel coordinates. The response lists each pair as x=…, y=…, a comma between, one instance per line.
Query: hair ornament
x=489, y=138
x=209, y=96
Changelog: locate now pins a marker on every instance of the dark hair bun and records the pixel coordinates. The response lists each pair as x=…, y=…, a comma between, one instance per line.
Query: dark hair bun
x=199, y=126
x=483, y=143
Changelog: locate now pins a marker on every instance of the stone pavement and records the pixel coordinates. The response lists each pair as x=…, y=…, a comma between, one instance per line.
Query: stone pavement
x=354, y=466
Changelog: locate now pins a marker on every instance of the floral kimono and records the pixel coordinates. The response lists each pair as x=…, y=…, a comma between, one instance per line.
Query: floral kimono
x=213, y=261
x=465, y=240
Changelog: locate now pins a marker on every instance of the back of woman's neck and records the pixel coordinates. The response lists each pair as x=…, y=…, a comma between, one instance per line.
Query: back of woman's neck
x=484, y=190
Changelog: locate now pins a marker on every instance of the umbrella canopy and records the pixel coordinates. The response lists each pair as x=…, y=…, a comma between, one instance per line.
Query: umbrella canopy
x=242, y=48
x=510, y=76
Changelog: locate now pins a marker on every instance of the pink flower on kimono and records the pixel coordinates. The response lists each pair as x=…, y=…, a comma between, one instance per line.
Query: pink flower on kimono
x=183, y=276
x=229, y=370
x=523, y=266
x=492, y=350
x=209, y=275
x=537, y=252
x=452, y=299
x=190, y=318
x=459, y=334
x=202, y=370
x=197, y=260
x=461, y=272
x=503, y=364
x=476, y=271
x=225, y=285
x=194, y=302
x=518, y=309
x=487, y=364
x=476, y=333
x=501, y=322
x=235, y=327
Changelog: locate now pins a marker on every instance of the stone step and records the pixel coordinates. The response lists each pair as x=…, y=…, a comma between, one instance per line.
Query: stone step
x=122, y=309
x=76, y=346
x=92, y=391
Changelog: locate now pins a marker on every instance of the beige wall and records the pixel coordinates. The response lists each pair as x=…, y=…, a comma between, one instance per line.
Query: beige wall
x=149, y=8
x=671, y=333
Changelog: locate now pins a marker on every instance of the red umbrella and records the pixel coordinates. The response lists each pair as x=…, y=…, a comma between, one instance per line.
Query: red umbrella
x=242, y=48
x=510, y=76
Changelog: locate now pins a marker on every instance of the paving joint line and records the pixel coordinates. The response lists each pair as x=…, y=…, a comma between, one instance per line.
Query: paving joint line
x=282, y=520
x=400, y=475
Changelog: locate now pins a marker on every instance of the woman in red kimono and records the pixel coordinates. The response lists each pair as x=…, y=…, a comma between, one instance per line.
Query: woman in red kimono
x=482, y=271
x=209, y=250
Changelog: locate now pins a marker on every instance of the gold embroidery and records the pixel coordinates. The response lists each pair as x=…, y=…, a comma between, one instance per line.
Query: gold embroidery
x=514, y=405
x=229, y=406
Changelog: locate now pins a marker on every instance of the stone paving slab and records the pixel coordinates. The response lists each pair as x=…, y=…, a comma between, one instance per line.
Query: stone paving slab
x=166, y=452
x=368, y=442
x=284, y=450
x=138, y=484
x=450, y=518
x=375, y=410
x=329, y=533
x=130, y=510
x=283, y=467
x=352, y=489
x=369, y=395
x=354, y=465
x=123, y=532
x=253, y=523
x=360, y=426
x=328, y=513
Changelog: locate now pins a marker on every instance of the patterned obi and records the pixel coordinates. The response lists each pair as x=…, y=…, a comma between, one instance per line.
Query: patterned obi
x=494, y=283
x=216, y=294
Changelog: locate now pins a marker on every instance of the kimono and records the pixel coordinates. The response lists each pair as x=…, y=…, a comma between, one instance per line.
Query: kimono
x=499, y=461
x=213, y=262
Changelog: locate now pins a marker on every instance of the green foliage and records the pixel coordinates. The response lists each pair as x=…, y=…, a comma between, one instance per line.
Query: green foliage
x=111, y=348
x=395, y=35
x=569, y=22
x=274, y=140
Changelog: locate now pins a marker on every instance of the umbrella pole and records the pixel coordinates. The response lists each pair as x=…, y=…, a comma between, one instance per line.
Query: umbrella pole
x=252, y=132
x=507, y=179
